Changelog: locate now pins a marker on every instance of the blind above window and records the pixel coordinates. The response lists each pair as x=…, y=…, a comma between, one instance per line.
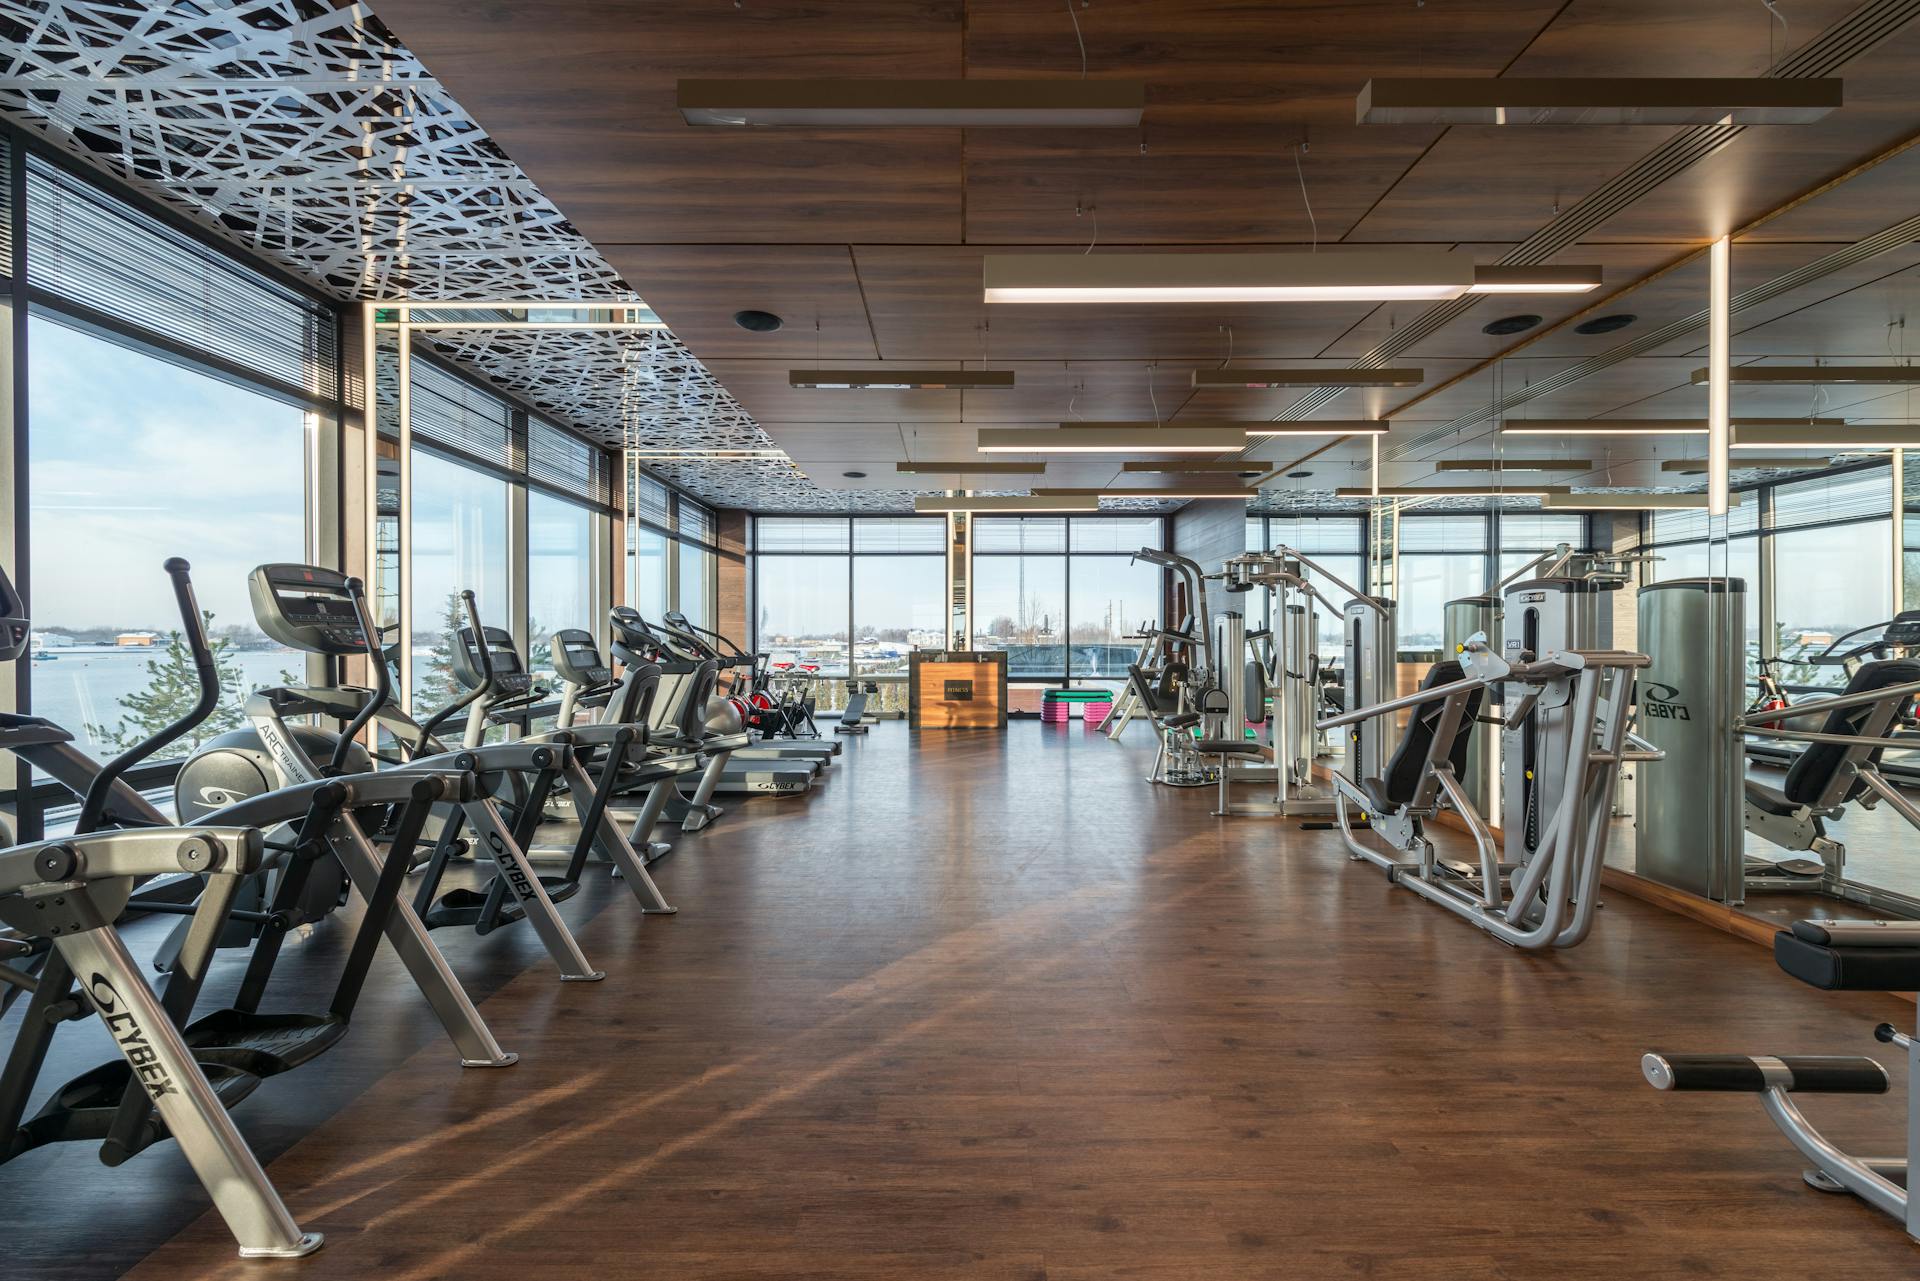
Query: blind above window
x=451, y=411
x=1020, y=534
x=693, y=520
x=801, y=534
x=566, y=463
x=1860, y=495
x=647, y=500
x=900, y=534
x=1541, y=531
x=98, y=252
x=1690, y=524
x=1443, y=533
x=1114, y=533
x=1323, y=535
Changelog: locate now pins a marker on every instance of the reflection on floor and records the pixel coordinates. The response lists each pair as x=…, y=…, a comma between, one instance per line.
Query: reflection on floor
x=991, y=1006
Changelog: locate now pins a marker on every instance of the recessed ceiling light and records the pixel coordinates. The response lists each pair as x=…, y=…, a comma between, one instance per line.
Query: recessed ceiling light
x=1361, y=275
x=900, y=379
x=1254, y=379
x=1605, y=324
x=854, y=475
x=1815, y=375
x=909, y=104
x=1609, y=100
x=1509, y=325
x=758, y=322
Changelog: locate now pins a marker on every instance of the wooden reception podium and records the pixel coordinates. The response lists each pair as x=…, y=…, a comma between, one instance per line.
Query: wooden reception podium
x=956, y=689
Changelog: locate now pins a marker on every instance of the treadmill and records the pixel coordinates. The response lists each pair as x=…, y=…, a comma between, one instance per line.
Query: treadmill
x=730, y=657
x=636, y=643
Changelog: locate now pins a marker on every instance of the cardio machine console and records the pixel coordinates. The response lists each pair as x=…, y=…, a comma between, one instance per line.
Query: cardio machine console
x=509, y=675
x=576, y=658
x=1903, y=632
x=306, y=607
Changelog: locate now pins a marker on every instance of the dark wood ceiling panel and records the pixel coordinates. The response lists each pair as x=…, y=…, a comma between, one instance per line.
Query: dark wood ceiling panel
x=761, y=386
x=697, y=289
x=925, y=302
x=1855, y=209
x=582, y=94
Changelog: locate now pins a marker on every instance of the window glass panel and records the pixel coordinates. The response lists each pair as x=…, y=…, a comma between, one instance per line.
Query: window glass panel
x=1111, y=598
x=1020, y=534
x=800, y=534
x=803, y=612
x=1427, y=581
x=1019, y=605
x=647, y=572
x=1675, y=525
x=560, y=570
x=900, y=534
x=565, y=462
x=899, y=605
x=1115, y=533
x=459, y=543
x=1833, y=579
x=696, y=595
x=122, y=475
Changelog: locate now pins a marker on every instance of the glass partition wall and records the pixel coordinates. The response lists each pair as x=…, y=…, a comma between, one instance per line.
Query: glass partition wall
x=672, y=552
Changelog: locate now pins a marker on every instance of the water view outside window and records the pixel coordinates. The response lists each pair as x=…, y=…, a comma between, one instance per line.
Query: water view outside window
x=133, y=459
x=459, y=543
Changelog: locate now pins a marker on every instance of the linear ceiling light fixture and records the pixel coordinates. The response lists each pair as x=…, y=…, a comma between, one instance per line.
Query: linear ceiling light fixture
x=913, y=104
x=1251, y=426
x=1784, y=462
x=974, y=467
x=1630, y=502
x=1362, y=275
x=1514, y=464
x=1611, y=100
x=1008, y=503
x=1255, y=379
x=1843, y=436
x=1815, y=375
x=1527, y=490
x=1194, y=490
x=901, y=379
x=1130, y=440
x=1172, y=465
x=1645, y=426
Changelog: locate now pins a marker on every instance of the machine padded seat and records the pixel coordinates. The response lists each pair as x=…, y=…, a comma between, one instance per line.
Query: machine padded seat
x=1813, y=772
x=1766, y=798
x=1229, y=747
x=1402, y=778
x=1848, y=969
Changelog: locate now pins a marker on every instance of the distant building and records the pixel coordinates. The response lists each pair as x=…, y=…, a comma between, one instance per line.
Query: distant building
x=51, y=640
x=137, y=640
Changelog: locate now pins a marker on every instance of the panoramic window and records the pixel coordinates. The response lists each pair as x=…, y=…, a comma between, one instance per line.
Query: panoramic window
x=560, y=573
x=459, y=543
x=132, y=459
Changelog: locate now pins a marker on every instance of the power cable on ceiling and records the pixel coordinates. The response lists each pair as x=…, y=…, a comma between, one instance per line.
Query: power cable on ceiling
x=1077, y=38
x=1300, y=173
x=1786, y=31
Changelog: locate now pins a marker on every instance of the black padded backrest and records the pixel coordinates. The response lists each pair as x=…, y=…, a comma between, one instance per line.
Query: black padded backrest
x=1402, y=775
x=1142, y=689
x=1813, y=773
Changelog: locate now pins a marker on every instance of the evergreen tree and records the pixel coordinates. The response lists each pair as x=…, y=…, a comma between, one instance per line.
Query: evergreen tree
x=437, y=686
x=173, y=687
